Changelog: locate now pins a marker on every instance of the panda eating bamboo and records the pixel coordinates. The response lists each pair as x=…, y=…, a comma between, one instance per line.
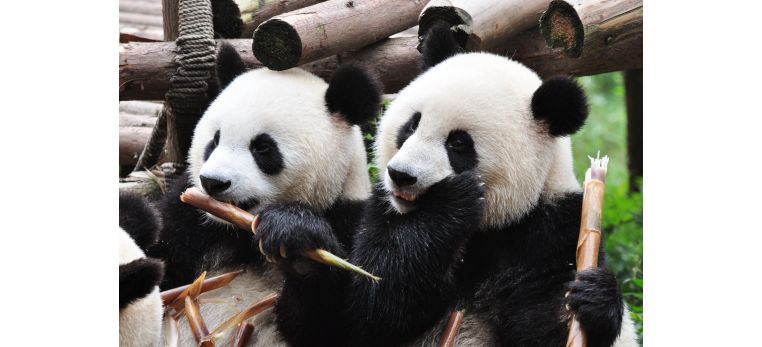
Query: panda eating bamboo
x=478, y=209
x=281, y=140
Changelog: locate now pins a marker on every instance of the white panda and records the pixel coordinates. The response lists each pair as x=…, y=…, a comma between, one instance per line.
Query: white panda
x=478, y=209
x=269, y=139
x=140, y=306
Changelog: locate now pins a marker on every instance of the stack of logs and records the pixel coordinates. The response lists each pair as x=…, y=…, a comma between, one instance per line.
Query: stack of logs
x=578, y=38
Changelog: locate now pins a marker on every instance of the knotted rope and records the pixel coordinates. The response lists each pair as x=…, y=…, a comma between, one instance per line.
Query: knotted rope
x=186, y=97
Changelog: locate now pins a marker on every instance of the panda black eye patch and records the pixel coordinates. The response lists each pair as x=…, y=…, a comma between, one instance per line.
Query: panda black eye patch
x=265, y=151
x=212, y=145
x=461, y=151
x=407, y=129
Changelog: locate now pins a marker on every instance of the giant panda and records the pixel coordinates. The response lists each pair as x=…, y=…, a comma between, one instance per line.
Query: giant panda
x=140, y=307
x=276, y=139
x=478, y=209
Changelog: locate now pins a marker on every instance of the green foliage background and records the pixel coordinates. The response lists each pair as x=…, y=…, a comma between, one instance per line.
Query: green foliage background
x=604, y=131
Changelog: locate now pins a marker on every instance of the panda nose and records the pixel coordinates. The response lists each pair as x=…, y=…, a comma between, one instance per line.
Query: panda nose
x=214, y=186
x=400, y=178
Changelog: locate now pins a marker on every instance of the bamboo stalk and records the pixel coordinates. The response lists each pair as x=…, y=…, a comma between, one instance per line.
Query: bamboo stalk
x=246, y=221
x=240, y=218
x=196, y=322
x=243, y=334
x=450, y=332
x=589, y=240
x=252, y=311
x=212, y=283
x=570, y=25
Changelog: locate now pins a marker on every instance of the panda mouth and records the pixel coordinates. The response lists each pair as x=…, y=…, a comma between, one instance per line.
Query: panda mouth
x=408, y=197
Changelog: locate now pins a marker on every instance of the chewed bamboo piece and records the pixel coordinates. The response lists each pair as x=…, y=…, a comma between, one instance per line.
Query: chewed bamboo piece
x=193, y=290
x=171, y=336
x=450, y=332
x=243, y=334
x=196, y=322
x=589, y=232
x=246, y=221
x=170, y=295
x=252, y=311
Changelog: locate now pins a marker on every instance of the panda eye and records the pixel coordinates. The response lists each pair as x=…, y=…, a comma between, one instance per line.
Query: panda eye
x=262, y=147
x=216, y=140
x=456, y=144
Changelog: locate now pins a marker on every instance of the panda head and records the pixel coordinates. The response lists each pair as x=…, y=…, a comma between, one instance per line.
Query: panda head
x=140, y=306
x=482, y=112
x=273, y=136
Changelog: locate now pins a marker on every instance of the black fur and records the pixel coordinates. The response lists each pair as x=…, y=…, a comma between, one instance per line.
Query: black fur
x=415, y=255
x=139, y=219
x=407, y=129
x=560, y=102
x=137, y=279
x=354, y=93
x=229, y=65
x=596, y=299
x=438, y=44
x=189, y=244
x=433, y=259
x=212, y=145
x=226, y=19
x=266, y=154
x=461, y=151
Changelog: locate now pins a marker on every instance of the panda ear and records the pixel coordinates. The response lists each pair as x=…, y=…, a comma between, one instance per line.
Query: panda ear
x=353, y=93
x=560, y=102
x=438, y=44
x=229, y=65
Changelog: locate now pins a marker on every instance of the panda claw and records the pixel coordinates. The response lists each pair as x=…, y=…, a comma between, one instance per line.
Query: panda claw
x=283, y=252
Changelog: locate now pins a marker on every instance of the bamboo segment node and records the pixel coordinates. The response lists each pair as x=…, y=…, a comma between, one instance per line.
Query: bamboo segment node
x=450, y=333
x=588, y=243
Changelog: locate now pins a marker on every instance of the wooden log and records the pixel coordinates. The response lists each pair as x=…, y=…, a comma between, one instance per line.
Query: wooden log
x=570, y=25
x=329, y=28
x=170, y=13
x=482, y=25
x=271, y=9
x=145, y=68
x=136, y=120
x=615, y=46
x=131, y=142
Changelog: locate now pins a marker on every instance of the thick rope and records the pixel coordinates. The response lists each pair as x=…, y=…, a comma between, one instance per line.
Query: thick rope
x=186, y=97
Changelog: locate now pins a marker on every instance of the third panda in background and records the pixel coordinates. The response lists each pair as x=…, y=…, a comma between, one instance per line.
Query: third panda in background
x=478, y=209
x=279, y=140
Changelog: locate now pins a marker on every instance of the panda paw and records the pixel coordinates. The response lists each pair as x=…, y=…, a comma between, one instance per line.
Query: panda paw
x=458, y=196
x=288, y=230
x=596, y=301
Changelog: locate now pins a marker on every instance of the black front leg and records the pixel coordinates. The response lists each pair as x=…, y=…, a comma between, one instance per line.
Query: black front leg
x=415, y=254
x=308, y=312
x=596, y=301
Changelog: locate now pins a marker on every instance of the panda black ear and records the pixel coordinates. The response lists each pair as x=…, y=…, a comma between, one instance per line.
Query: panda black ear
x=561, y=103
x=229, y=65
x=438, y=44
x=226, y=19
x=139, y=219
x=354, y=93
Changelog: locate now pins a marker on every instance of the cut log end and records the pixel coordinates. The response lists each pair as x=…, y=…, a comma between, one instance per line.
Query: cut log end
x=562, y=28
x=277, y=45
x=459, y=21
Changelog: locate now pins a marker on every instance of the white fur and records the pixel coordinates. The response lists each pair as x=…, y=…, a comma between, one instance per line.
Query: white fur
x=324, y=159
x=489, y=97
x=140, y=322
